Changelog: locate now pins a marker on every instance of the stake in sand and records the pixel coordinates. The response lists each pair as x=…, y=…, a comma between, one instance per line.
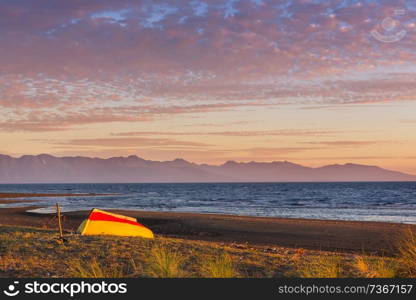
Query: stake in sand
x=58, y=214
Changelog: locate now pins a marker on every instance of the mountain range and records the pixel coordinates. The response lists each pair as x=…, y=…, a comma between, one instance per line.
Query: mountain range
x=50, y=169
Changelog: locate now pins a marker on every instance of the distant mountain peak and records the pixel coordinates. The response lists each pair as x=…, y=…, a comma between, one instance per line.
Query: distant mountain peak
x=180, y=160
x=135, y=157
x=45, y=168
x=230, y=163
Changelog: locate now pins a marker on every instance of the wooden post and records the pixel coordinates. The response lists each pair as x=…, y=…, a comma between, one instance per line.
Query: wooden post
x=58, y=212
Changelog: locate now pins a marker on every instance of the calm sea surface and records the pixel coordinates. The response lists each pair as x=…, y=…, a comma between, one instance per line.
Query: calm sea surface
x=387, y=202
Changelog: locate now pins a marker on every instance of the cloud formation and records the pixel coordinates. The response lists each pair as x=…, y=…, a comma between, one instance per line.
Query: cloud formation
x=130, y=142
x=246, y=133
x=72, y=63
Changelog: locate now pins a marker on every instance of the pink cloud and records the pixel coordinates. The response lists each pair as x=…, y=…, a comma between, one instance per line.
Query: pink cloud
x=130, y=142
x=246, y=133
x=71, y=63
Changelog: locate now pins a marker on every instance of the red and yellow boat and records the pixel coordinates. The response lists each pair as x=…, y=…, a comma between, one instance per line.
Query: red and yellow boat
x=100, y=222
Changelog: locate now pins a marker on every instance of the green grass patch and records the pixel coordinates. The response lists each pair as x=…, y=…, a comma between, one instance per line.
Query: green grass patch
x=29, y=252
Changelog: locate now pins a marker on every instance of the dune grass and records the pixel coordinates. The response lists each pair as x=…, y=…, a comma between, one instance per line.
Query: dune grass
x=165, y=262
x=95, y=269
x=322, y=266
x=219, y=266
x=29, y=252
x=402, y=265
x=407, y=255
x=376, y=267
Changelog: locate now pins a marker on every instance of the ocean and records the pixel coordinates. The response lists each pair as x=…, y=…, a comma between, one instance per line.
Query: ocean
x=367, y=201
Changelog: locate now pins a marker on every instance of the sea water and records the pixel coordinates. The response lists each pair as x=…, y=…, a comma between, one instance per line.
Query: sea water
x=366, y=201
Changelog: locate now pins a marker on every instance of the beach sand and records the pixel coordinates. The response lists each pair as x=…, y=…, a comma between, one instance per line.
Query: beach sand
x=339, y=236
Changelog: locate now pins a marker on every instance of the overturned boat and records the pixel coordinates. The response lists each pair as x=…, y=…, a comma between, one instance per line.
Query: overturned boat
x=100, y=222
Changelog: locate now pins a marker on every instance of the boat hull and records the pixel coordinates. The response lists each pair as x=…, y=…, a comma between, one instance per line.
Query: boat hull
x=103, y=223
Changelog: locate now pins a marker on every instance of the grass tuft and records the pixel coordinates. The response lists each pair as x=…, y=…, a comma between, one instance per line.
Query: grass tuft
x=95, y=269
x=321, y=267
x=376, y=267
x=219, y=266
x=407, y=255
x=165, y=262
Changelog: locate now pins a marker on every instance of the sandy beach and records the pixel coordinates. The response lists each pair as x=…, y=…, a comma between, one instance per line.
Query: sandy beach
x=338, y=236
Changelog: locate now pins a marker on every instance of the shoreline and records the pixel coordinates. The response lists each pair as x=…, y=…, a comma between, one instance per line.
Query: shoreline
x=9, y=198
x=370, y=237
x=327, y=235
x=38, y=195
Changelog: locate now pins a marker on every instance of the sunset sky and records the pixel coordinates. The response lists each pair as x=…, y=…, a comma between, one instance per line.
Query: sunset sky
x=306, y=81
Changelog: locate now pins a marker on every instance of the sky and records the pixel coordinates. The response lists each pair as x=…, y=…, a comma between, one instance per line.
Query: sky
x=308, y=81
